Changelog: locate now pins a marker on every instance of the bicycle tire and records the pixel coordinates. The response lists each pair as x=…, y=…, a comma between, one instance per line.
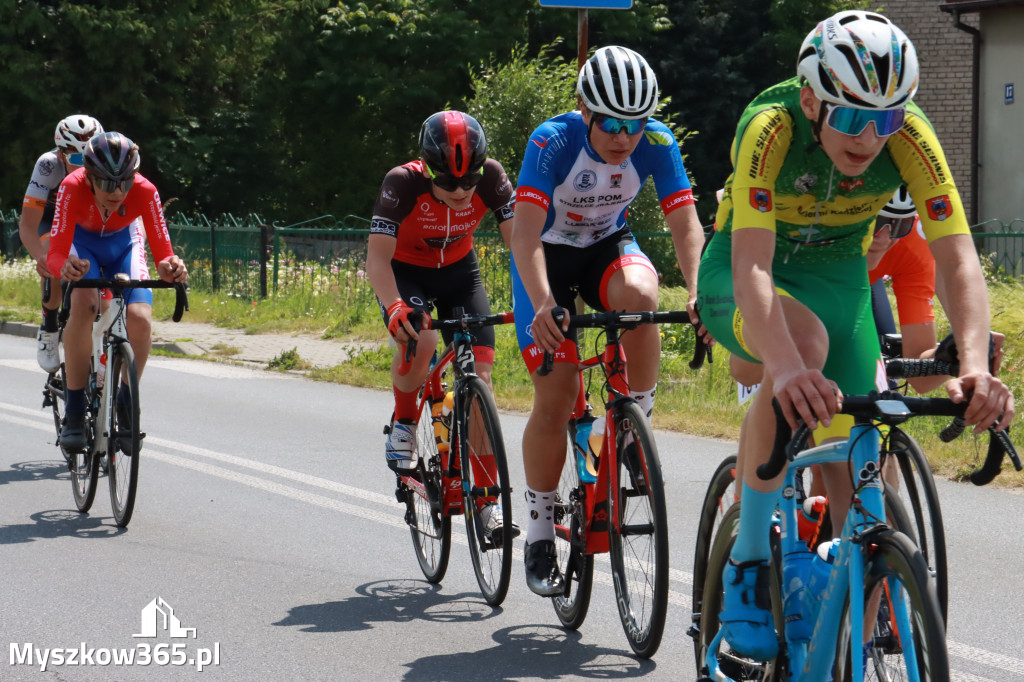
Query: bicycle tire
x=85, y=470
x=481, y=444
x=125, y=441
x=895, y=565
x=734, y=665
x=921, y=497
x=429, y=525
x=575, y=565
x=638, y=542
x=56, y=398
x=720, y=495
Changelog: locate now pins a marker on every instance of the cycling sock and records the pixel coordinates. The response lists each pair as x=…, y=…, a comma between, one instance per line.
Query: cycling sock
x=49, y=320
x=645, y=399
x=541, y=507
x=76, y=403
x=752, y=539
x=405, y=405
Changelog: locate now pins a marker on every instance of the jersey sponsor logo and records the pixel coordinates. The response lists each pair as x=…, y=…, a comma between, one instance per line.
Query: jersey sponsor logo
x=939, y=207
x=761, y=199
x=616, y=180
x=540, y=141
x=388, y=197
x=379, y=226
x=850, y=185
x=683, y=197
x=46, y=167
x=805, y=183
x=585, y=180
x=659, y=138
x=533, y=196
x=574, y=216
x=762, y=145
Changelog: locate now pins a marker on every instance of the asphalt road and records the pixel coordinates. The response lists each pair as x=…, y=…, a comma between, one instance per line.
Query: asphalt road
x=266, y=521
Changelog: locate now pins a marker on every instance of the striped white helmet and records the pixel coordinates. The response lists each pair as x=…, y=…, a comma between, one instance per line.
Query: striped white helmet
x=74, y=131
x=618, y=82
x=861, y=60
x=900, y=206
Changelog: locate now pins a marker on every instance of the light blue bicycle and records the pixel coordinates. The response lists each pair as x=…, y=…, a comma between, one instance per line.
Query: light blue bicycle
x=892, y=629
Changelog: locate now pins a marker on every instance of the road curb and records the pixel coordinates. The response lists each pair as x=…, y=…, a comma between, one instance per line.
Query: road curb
x=29, y=330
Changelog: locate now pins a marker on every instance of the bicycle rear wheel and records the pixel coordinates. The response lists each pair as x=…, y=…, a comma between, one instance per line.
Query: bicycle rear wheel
x=638, y=534
x=921, y=498
x=485, y=481
x=429, y=525
x=125, y=438
x=721, y=494
x=908, y=642
x=576, y=566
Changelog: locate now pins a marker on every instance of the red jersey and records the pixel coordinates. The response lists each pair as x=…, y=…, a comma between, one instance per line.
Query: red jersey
x=429, y=232
x=911, y=266
x=76, y=207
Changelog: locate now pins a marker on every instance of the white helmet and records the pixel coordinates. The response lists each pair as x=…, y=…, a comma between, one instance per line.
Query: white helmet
x=618, y=82
x=900, y=206
x=859, y=59
x=74, y=131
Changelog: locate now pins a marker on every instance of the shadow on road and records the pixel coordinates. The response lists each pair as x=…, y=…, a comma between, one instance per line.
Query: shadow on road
x=22, y=472
x=541, y=651
x=394, y=601
x=59, y=523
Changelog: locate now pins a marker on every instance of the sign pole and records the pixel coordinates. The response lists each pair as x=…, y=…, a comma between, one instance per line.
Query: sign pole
x=582, y=24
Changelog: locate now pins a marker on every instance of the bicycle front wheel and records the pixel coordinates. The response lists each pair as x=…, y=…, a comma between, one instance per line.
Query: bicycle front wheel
x=908, y=641
x=125, y=438
x=429, y=524
x=85, y=468
x=917, y=490
x=485, y=483
x=638, y=533
x=575, y=565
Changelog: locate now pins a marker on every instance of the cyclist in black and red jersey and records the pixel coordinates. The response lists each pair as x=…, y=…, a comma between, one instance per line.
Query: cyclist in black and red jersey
x=421, y=249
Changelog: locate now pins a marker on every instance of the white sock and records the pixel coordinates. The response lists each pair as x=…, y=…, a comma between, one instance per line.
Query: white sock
x=541, y=509
x=645, y=399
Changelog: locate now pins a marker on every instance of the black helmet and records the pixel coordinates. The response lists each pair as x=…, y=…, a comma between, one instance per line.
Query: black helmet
x=453, y=143
x=112, y=156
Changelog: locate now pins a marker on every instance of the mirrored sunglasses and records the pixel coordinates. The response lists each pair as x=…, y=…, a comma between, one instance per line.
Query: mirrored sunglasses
x=898, y=227
x=74, y=158
x=449, y=183
x=113, y=185
x=853, y=122
x=613, y=126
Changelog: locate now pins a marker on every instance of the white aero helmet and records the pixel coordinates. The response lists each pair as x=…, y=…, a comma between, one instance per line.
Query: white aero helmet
x=74, y=131
x=859, y=59
x=900, y=206
x=618, y=82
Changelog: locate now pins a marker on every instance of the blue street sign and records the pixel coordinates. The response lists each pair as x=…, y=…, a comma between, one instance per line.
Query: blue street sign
x=1008, y=93
x=588, y=4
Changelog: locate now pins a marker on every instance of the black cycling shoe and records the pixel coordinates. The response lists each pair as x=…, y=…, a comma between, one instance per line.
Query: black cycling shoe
x=72, y=434
x=542, y=574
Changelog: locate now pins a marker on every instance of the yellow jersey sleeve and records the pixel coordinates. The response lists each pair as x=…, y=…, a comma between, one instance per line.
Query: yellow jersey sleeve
x=759, y=154
x=917, y=153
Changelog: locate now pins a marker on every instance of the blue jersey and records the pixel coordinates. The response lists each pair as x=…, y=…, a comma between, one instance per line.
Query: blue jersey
x=585, y=198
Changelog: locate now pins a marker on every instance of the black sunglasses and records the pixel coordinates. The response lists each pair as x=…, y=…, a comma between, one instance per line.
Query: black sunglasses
x=113, y=185
x=449, y=183
x=898, y=227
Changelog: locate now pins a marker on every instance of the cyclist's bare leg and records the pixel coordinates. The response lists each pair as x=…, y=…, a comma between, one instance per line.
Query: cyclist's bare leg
x=139, y=322
x=544, y=439
x=417, y=374
x=635, y=287
x=78, y=337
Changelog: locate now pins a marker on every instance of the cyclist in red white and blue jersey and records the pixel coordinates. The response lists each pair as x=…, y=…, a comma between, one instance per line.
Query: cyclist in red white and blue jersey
x=580, y=173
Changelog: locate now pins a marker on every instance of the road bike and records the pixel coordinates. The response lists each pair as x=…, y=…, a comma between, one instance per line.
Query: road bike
x=461, y=465
x=620, y=509
x=113, y=435
x=878, y=618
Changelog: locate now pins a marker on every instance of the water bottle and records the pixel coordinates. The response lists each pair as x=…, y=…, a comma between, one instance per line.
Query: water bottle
x=817, y=581
x=584, y=431
x=596, y=439
x=441, y=417
x=101, y=372
x=796, y=569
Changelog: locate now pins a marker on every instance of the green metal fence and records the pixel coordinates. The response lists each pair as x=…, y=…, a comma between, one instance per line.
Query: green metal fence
x=250, y=258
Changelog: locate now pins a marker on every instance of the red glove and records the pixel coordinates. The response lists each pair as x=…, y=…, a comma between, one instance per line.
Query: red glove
x=398, y=313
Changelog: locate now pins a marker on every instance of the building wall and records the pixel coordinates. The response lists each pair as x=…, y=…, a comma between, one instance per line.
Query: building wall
x=945, y=53
x=1001, y=182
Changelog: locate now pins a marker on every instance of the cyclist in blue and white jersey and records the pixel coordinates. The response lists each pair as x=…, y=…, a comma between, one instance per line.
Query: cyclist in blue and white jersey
x=580, y=173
